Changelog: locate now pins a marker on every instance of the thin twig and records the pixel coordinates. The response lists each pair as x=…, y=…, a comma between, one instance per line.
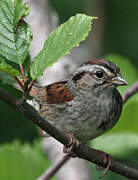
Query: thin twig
x=130, y=91
x=52, y=170
x=84, y=152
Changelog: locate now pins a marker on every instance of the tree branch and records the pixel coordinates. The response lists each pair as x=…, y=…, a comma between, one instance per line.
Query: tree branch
x=92, y=155
x=130, y=91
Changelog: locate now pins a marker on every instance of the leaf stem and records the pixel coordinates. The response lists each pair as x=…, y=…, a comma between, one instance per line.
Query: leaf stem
x=21, y=84
x=22, y=71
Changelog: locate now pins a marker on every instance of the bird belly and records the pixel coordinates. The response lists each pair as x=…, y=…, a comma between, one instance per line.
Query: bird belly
x=86, y=120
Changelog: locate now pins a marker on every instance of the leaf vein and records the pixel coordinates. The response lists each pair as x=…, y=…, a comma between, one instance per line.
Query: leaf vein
x=8, y=7
x=7, y=46
x=5, y=14
x=5, y=27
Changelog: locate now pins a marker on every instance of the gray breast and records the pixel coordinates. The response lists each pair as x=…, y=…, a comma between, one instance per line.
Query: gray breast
x=86, y=117
x=111, y=110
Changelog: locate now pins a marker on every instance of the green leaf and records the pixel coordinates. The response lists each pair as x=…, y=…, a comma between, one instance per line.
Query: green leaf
x=128, y=121
x=8, y=68
x=118, y=145
x=21, y=161
x=60, y=42
x=26, y=65
x=20, y=12
x=6, y=79
x=15, y=34
x=122, y=146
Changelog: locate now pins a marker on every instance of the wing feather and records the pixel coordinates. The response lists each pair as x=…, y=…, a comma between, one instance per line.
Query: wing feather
x=54, y=93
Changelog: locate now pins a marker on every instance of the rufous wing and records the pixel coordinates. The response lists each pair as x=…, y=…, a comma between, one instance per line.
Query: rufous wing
x=53, y=93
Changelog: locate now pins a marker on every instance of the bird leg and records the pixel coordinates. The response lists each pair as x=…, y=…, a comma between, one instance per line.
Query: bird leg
x=107, y=161
x=73, y=144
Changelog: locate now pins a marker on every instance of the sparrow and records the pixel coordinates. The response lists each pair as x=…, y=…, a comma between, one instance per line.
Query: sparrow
x=86, y=104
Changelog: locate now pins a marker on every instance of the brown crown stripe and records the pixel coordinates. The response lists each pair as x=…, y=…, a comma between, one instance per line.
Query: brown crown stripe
x=107, y=64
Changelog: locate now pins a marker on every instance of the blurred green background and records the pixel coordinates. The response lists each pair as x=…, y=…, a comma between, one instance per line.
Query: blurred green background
x=19, y=140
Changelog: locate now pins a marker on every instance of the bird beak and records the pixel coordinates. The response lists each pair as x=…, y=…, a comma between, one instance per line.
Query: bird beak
x=119, y=81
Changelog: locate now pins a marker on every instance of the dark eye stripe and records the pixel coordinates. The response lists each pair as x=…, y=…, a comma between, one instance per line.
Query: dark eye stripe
x=78, y=76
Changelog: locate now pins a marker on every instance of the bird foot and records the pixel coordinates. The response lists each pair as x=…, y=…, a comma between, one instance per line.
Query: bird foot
x=73, y=144
x=108, y=161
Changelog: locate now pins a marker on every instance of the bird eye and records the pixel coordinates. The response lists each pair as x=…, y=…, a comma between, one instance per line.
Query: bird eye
x=99, y=74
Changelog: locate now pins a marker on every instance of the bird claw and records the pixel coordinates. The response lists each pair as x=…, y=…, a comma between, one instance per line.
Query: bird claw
x=73, y=144
x=108, y=161
x=99, y=168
